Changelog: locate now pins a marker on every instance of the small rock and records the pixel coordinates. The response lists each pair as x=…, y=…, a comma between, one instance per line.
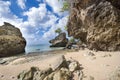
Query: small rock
x=91, y=78
x=107, y=55
x=61, y=63
x=2, y=62
x=62, y=74
x=13, y=77
x=89, y=54
x=27, y=75
x=49, y=77
x=93, y=58
x=115, y=75
x=78, y=75
x=2, y=76
x=74, y=66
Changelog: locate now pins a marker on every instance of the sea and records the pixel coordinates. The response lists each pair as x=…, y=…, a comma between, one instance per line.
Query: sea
x=40, y=48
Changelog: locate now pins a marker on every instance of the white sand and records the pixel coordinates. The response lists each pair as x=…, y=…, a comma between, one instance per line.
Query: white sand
x=99, y=66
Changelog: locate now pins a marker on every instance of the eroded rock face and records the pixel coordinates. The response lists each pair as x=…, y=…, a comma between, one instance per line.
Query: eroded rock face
x=59, y=41
x=11, y=40
x=96, y=23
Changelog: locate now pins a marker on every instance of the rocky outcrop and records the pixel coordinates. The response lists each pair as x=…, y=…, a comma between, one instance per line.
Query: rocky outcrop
x=65, y=70
x=96, y=23
x=59, y=41
x=11, y=40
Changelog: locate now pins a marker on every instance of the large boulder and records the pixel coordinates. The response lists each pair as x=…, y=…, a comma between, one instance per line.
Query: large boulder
x=59, y=41
x=11, y=40
x=96, y=23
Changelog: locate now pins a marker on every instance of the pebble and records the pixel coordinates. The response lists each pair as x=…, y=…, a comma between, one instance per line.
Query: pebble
x=2, y=62
x=2, y=76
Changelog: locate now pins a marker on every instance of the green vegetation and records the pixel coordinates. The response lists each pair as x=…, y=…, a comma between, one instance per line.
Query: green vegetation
x=65, y=27
x=72, y=40
x=65, y=6
x=58, y=31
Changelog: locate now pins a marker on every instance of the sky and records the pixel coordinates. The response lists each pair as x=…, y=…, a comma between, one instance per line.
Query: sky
x=36, y=19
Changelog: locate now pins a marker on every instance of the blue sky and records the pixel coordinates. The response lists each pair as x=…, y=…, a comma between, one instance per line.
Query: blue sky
x=37, y=19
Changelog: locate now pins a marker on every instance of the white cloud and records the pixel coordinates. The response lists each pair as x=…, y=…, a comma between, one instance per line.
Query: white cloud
x=6, y=14
x=36, y=15
x=5, y=11
x=39, y=20
x=21, y=4
x=40, y=17
x=55, y=4
x=61, y=24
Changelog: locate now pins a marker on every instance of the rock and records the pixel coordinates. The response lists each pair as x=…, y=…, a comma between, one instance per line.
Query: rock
x=115, y=75
x=107, y=55
x=78, y=75
x=28, y=75
x=73, y=66
x=89, y=54
x=2, y=62
x=49, y=77
x=11, y=40
x=69, y=45
x=61, y=62
x=62, y=74
x=34, y=74
x=59, y=41
x=96, y=23
x=91, y=78
x=40, y=75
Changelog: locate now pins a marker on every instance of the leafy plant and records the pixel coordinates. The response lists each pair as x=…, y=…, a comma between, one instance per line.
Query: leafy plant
x=65, y=27
x=65, y=6
x=72, y=40
x=58, y=31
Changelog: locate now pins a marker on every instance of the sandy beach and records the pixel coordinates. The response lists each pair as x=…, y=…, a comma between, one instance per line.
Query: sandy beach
x=98, y=65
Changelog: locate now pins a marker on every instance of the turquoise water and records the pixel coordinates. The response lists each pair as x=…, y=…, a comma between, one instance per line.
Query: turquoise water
x=39, y=48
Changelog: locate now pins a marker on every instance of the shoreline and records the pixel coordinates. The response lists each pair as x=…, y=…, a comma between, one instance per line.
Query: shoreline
x=7, y=60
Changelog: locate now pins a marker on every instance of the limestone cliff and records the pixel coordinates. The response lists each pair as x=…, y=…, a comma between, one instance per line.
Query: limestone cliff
x=11, y=40
x=96, y=23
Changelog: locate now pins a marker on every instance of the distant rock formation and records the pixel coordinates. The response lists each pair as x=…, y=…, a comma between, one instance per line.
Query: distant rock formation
x=11, y=40
x=59, y=41
x=96, y=23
